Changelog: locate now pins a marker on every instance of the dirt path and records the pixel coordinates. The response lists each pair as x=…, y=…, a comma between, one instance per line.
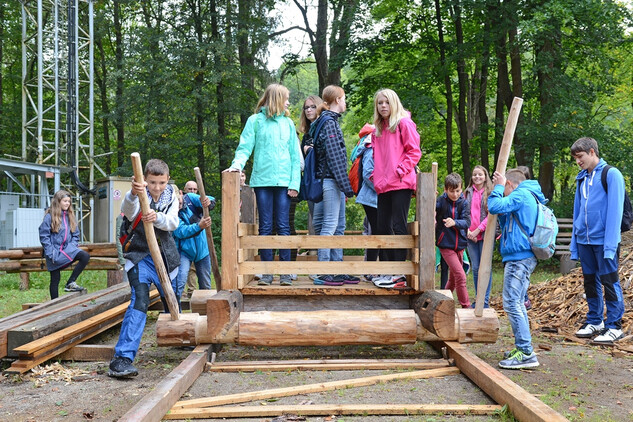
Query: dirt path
x=583, y=383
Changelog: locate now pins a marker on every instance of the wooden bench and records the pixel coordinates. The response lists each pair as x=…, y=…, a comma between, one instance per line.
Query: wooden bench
x=565, y=226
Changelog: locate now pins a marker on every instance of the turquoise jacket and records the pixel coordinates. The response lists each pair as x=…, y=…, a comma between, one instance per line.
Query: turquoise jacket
x=521, y=205
x=274, y=144
x=597, y=215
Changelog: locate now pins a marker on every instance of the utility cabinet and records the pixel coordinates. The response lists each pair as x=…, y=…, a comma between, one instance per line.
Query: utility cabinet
x=107, y=206
x=20, y=228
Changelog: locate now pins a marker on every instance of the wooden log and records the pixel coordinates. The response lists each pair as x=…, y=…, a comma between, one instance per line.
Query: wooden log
x=322, y=302
x=38, y=265
x=214, y=257
x=524, y=406
x=425, y=210
x=10, y=266
x=437, y=313
x=404, y=409
x=313, y=388
x=223, y=310
x=150, y=236
x=230, y=219
x=327, y=328
x=248, y=209
x=88, y=353
x=190, y=329
x=57, y=321
x=485, y=264
x=474, y=329
x=198, y=301
x=25, y=280
x=29, y=305
x=157, y=403
x=11, y=254
x=114, y=277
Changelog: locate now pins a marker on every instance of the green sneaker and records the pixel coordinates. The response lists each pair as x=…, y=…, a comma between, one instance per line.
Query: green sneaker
x=506, y=355
x=519, y=360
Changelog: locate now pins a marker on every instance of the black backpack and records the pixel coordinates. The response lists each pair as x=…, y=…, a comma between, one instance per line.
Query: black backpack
x=311, y=188
x=627, y=212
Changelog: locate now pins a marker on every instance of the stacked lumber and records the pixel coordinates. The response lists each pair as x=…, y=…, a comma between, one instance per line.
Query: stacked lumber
x=103, y=256
x=559, y=307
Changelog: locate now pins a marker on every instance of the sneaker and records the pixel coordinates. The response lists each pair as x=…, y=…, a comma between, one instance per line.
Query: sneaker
x=528, y=304
x=313, y=277
x=73, y=287
x=121, y=367
x=265, y=280
x=327, y=280
x=386, y=281
x=506, y=355
x=609, y=336
x=589, y=330
x=285, y=280
x=519, y=360
x=346, y=279
x=369, y=277
x=293, y=277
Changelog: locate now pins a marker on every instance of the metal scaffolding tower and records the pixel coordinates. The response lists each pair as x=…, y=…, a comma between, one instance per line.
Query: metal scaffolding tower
x=58, y=95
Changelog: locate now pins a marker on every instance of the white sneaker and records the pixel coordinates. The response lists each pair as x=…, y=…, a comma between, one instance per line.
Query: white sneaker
x=293, y=276
x=608, y=336
x=384, y=281
x=313, y=276
x=589, y=330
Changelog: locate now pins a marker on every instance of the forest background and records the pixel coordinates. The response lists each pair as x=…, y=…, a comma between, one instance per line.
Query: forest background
x=178, y=79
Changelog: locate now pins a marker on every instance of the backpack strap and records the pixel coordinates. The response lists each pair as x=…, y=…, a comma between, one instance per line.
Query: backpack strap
x=603, y=178
x=519, y=222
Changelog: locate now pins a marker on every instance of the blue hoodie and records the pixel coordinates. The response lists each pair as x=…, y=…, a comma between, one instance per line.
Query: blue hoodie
x=521, y=205
x=597, y=216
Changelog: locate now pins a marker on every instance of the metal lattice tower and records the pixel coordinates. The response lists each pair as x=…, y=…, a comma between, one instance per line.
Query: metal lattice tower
x=58, y=95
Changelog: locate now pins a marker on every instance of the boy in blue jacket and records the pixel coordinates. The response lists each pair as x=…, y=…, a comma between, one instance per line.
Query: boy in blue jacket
x=515, y=200
x=595, y=241
x=452, y=219
x=192, y=241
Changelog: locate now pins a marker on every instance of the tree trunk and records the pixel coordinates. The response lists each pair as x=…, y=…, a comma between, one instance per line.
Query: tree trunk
x=224, y=151
x=447, y=87
x=101, y=81
x=462, y=78
x=481, y=103
x=504, y=92
x=119, y=115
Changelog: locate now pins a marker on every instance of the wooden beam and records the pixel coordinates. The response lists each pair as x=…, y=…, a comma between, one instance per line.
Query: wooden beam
x=524, y=406
x=198, y=301
x=425, y=210
x=327, y=328
x=334, y=409
x=485, y=263
x=318, y=267
x=88, y=353
x=223, y=311
x=318, y=242
x=157, y=403
x=474, y=329
x=326, y=365
x=312, y=388
x=230, y=220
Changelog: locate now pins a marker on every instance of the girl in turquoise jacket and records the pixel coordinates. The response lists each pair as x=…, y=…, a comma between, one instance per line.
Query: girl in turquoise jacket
x=270, y=136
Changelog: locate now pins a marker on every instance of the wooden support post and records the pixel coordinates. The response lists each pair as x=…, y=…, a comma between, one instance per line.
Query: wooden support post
x=437, y=313
x=485, y=264
x=205, y=212
x=150, y=236
x=223, y=311
x=474, y=329
x=24, y=281
x=114, y=277
x=230, y=219
x=425, y=210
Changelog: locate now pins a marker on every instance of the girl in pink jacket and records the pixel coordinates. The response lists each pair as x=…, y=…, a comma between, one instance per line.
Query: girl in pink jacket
x=396, y=144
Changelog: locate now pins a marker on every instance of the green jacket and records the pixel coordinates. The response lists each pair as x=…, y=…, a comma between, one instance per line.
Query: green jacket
x=275, y=147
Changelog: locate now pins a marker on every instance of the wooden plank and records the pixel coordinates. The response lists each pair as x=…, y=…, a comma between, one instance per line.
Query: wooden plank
x=157, y=403
x=318, y=267
x=88, y=353
x=230, y=220
x=312, y=388
x=524, y=406
x=318, y=242
x=361, y=289
x=326, y=365
x=425, y=210
x=334, y=409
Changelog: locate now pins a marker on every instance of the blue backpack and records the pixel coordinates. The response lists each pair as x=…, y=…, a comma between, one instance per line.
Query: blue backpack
x=312, y=187
x=543, y=241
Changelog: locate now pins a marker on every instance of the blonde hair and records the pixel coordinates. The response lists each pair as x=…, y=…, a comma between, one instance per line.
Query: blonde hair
x=55, y=211
x=330, y=94
x=487, y=183
x=397, y=111
x=274, y=99
x=304, y=123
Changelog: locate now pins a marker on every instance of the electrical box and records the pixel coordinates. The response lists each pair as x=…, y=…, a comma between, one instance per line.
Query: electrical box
x=107, y=206
x=20, y=228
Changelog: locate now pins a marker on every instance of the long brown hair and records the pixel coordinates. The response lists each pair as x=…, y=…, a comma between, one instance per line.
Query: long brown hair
x=55, y=211
x=304, y=123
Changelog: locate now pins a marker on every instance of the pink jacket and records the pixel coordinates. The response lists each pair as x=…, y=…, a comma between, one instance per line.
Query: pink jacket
x=395, y=157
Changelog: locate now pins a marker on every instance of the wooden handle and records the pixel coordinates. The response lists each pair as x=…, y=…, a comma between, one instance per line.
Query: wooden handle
x=154, y=250
x=485, y=264
x=214, y=257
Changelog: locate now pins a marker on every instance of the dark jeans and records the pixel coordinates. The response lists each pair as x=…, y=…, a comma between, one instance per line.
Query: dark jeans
x=273, y=203
x=393, y=210
x=372, y=214
x=82, y=259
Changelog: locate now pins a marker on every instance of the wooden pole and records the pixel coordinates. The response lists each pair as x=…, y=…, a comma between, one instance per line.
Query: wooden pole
x=154, y=250
x=230, y=222
x=485, y=265
x=214, y=257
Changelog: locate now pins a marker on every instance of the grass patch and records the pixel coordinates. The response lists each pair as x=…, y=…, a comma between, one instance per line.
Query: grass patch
x=12, y=298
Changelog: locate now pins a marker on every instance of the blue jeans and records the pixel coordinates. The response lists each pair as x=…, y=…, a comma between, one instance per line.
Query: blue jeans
x=599, y=273
x=141, y=276
x=329, y=218
x=203, y=270
x=516, y=279
x=474, y=253
x=273, y=204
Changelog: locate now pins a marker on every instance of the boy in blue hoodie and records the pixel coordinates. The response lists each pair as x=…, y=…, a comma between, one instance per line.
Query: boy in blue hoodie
x=515, y=200
x=596, y=240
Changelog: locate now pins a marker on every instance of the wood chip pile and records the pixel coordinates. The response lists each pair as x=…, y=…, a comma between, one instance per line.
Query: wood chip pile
x=559, y=306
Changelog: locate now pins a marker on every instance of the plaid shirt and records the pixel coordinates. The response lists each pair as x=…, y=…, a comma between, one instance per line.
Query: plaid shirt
x=331, y=153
